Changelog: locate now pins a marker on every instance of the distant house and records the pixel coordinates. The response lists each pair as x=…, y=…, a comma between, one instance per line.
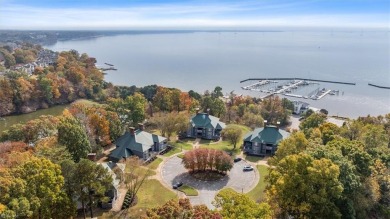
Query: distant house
x=264, y=141
x=203, y=125
x=112, y=193
x=137, y=143
x=300, y=107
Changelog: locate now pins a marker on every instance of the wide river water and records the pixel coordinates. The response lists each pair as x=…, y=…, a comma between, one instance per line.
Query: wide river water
x=202, y=60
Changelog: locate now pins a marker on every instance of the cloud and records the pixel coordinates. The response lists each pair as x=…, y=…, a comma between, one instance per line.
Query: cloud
x=248, y=14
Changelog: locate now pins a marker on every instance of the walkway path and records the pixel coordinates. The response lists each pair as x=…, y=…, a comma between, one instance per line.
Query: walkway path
x=195, y=144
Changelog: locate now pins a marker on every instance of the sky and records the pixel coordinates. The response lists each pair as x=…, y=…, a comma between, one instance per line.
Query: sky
x=184, y=14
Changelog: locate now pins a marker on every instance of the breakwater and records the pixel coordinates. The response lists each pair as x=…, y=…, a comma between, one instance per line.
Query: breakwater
x=304, y=79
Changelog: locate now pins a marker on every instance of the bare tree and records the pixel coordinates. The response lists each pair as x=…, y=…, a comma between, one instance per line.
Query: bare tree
x=135, y=176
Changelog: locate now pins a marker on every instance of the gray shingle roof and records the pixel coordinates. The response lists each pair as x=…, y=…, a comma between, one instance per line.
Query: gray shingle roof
x=141, y=141
x=268, y=134
x=205, y=120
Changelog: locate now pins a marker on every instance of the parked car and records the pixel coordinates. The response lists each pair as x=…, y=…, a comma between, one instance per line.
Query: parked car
x=237, y=159
x=177, y=185
x=247, y=168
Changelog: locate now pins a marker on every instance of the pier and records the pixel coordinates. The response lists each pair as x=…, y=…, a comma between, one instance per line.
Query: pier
x=301, y=79
x=295, y=84
x=323, y=94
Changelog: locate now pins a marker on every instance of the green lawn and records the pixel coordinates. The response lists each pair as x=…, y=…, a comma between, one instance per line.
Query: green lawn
x=173, y=151
x=188, y=190
x=180, y=156
x=141, y=170
x=258, y=193
x=151, y=194
x=221, y=145
x=183, y=144
x=225, y=145
x=154, y=164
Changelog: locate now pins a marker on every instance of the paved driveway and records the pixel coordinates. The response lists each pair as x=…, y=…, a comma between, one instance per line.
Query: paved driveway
x=173, y=171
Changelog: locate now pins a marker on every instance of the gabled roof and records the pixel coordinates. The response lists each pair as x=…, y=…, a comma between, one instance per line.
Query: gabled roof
x=109, y=167
x=268, y=134
x=141, y=141
x=205, y=120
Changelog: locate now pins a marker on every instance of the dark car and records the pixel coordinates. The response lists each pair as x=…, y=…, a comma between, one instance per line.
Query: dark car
x=237, y=159
x=247, y=168
x=177, y=185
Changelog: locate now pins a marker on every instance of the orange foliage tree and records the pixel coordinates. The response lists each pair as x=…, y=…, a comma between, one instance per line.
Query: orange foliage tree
x=203, y=159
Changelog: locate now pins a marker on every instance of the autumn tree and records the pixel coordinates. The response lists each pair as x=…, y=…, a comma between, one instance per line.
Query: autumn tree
x=9, y=59
x=236, y=205
x=170, y=123
x=72, y=135
x=273, y=110
x=203, y=159
x=181, y=209
x=36, y=191
x=301, y=186
x=311, y=122
x=233, y=133
x=85, y=181
x=329, y=131
x=252, y=120
x=163, y=100
x=294, y=144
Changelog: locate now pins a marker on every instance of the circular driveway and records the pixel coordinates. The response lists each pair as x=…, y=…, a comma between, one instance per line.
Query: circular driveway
x=173, y=171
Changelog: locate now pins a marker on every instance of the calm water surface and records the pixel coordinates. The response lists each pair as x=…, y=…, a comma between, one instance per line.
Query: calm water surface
x=8, y=121
x=203, y=60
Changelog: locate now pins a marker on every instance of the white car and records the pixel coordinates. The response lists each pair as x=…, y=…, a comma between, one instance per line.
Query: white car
x=247, y=168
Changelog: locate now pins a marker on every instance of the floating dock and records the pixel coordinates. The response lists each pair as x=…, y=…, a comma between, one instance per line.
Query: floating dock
x=323, y=94
x=295, y=84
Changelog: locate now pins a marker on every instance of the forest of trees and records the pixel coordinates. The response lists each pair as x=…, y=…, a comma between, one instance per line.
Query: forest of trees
x=73, y=76
x=326, y=171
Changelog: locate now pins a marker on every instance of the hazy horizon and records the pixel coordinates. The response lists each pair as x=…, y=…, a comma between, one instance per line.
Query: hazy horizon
x=168, y=14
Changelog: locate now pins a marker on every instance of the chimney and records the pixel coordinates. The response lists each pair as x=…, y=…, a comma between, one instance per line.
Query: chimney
x=141, y=126
x=91, y=156
x=131, y=130
x=277, y=124
x=208, y=111
x=265, y=122
x=197, y=110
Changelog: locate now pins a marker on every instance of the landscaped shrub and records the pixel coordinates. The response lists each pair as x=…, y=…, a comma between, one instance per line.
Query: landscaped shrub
x=126, y=201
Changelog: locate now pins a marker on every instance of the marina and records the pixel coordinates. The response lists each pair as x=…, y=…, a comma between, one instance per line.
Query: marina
x=292, y=87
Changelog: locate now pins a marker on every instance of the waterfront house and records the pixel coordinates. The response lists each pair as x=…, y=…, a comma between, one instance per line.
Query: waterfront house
x=300, y=107
x=264, y=141
x=206, y=126
x=138, y=143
